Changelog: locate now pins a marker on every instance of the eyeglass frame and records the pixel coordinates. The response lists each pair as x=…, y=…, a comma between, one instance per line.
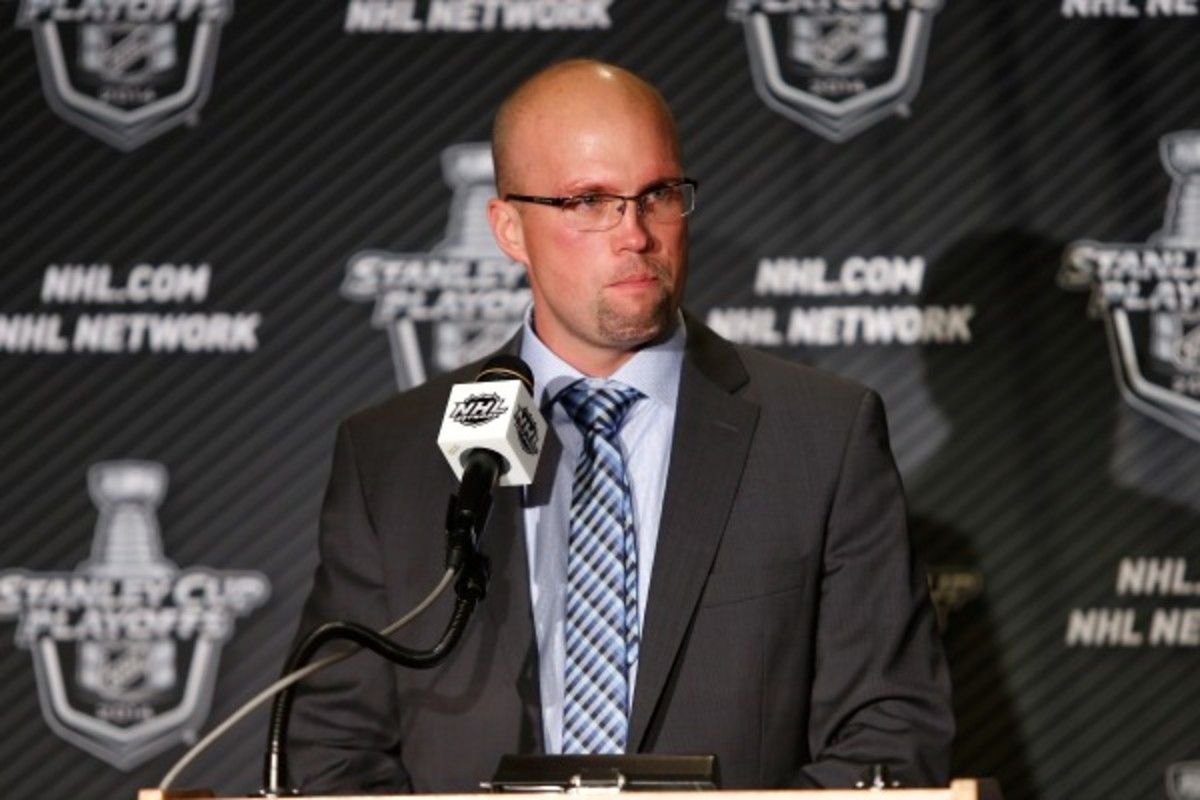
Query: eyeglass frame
x=639, y=200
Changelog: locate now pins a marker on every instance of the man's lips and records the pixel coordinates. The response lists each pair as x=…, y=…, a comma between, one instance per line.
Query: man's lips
x=635, y=281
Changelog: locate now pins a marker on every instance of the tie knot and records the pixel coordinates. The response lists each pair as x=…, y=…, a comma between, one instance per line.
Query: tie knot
x=598, y=410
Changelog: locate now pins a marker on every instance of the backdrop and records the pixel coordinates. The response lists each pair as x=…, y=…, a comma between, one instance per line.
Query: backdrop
x=224, y=228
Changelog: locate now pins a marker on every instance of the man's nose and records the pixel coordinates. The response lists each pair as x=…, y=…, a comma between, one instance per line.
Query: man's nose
x=633, y=228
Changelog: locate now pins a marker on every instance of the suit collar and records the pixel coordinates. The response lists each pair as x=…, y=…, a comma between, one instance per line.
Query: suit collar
x=653, y=370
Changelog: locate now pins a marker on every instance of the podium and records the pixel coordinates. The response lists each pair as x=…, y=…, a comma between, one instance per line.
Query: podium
x=962, y=789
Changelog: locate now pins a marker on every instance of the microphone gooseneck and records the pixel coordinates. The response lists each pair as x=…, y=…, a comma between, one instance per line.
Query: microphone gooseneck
x=470, y=591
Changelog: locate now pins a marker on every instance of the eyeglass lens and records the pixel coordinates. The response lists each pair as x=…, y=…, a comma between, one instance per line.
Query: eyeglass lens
x=602, y=212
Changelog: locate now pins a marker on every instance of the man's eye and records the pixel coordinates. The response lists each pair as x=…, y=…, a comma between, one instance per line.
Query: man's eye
x=663, y=195
x=590, y=201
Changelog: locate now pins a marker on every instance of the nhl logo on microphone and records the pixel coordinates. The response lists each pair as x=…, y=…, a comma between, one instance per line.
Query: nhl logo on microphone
x=528, y=434
x=478, y=409
x=494, y=415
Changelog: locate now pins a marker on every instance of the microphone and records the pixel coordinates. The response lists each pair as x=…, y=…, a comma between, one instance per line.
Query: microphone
x=492, y=435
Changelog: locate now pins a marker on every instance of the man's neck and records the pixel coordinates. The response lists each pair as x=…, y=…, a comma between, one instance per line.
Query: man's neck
x=596, y=361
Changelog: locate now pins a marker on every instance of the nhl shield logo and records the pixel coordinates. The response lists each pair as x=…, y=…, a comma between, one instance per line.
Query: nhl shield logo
x=1149, y=297
x=836, y=66
x=457, y=303
x=125, y=647
x=126, y=71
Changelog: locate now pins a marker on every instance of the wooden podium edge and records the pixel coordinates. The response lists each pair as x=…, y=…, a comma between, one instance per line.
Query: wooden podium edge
x=960, y=789
x=172, y=794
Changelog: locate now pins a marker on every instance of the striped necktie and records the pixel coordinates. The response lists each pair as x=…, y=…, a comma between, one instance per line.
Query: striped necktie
x=602, y=609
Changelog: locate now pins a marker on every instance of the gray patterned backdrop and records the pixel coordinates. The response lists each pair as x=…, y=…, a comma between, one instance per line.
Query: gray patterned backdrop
x=226, y=226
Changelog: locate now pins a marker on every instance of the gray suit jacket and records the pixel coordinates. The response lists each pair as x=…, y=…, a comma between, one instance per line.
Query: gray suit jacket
x=787, y=628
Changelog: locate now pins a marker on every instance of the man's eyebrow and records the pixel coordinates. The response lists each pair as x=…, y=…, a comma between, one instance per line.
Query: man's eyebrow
x=589, y=187
x=660, y=183
x=595, y=187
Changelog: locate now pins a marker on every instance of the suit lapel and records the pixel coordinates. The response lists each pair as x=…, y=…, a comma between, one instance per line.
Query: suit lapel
x=507, y=610
x=507, y=602
x=713, y=431
x=507, y=607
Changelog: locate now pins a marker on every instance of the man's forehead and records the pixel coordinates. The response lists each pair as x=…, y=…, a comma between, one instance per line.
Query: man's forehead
x=586, y=86
x=573, y=110
x=563, y=169
x=587, y=123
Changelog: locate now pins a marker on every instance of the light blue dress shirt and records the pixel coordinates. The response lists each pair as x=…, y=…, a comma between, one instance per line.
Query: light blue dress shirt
x=645, y=436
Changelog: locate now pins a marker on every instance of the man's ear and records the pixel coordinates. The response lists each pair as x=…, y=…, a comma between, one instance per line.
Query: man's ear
x=507, y=228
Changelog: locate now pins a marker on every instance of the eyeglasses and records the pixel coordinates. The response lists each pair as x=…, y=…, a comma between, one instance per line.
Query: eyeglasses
x=599, y=211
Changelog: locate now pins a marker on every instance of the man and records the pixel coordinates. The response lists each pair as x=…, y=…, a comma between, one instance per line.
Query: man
x=774, y=614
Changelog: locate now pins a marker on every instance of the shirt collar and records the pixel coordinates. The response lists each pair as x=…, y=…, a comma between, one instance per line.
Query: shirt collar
x=654, y=371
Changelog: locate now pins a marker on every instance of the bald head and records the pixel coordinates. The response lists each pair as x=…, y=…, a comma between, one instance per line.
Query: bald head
x=586, y=128
x=556, y=96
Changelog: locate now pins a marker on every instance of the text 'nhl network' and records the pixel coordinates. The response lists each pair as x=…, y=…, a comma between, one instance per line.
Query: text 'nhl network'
x=471, y=16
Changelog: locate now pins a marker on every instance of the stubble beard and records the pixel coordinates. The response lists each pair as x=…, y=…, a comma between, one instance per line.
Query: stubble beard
x=624, y=328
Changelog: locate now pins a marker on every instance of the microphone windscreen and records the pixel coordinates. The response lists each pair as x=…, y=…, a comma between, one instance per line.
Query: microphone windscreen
x=505, y=367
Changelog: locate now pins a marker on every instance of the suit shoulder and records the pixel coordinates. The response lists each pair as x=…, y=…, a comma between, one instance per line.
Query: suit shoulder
x=763, y=377
x=413, y=409
x=772, y=376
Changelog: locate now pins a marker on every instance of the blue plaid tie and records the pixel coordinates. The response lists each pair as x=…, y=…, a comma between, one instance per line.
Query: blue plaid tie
x=602, y=609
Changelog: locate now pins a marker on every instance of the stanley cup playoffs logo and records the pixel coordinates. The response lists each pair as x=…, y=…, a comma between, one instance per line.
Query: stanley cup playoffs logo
x=836, y=66
x=126, y=71
x=125, y=647
x=1149, y=297
x=452, y=305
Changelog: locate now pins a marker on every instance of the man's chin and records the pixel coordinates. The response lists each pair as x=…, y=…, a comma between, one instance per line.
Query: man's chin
x=637, y=331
